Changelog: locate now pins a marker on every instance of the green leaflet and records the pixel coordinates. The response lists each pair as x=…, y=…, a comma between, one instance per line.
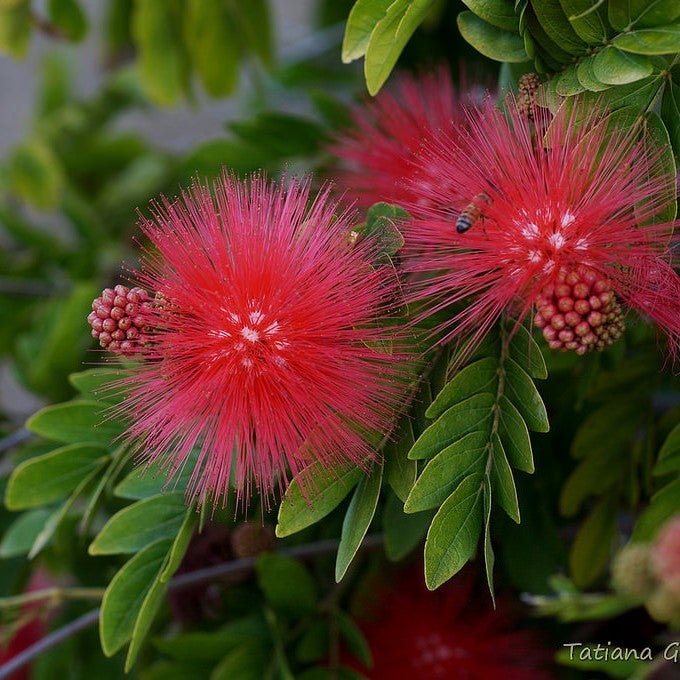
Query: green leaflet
x=467, y=416
x=612, y=66
x=491, y=41
x=357, y=519
x=125, y=596
x=626, y=14
x=163, y=62
x=669, y=454
x=362, y=19
x=660, y=40
x=136, y=592
x=138, y=525
x=591, y=550
x=389, y=37
x=52, y=476
x=402, y=531
x=446, y=470
x=287, y=585
x=324, y=492
x=498, y=13
x=454, y=532
x=79, y=421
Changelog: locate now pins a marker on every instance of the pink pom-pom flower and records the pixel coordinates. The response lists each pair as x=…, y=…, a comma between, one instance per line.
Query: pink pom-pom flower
x=545, y=214
x=264, y=346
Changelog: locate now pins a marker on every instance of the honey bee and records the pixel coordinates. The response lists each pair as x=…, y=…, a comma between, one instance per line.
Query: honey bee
x=472, y=212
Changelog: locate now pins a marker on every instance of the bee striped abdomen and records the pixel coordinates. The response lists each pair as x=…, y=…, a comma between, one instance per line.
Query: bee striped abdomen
x=472, y=212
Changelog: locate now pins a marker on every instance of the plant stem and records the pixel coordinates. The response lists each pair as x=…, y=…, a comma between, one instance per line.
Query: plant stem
x=241, y=566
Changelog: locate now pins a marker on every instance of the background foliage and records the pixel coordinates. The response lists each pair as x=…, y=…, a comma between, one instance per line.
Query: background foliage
x=599, y=433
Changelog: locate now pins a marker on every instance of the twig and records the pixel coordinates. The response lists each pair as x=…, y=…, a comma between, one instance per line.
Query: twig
x=14, y=439
x=241, y=566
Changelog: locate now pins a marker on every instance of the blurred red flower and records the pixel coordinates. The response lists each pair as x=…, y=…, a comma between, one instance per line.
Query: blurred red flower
x=570, y=226
x=377, y=154
x=263, y=349
x=452, y=633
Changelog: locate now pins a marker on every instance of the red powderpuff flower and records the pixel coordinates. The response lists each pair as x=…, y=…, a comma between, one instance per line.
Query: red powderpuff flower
x=262, y=348
x=566, y=227
x=452, y=633
x=378, y=153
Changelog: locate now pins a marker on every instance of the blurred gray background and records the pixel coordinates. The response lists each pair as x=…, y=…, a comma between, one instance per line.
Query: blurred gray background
x=172, y=129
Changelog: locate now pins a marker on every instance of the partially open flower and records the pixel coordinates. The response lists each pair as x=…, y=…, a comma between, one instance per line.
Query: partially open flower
x=267, y=352
x=378, y=153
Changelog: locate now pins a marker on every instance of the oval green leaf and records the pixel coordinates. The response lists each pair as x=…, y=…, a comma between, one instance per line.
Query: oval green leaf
x=658, y=40
x=471, y=414
x=140, y=524
x=361, y=22
x=300, y=508
x=522, y=392
x=499, y=13
x=357, y=519
x=454, y=532
x=491, y=41
x=479, y=376
x=125, y=595
x=614, y=67
x=389, y=37
x=447, y=469
x=52, y=476
x=503, y=482
x=77, y=421
x=515, y=437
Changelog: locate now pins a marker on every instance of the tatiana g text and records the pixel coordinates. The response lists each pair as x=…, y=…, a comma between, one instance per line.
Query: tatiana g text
x=608, y=652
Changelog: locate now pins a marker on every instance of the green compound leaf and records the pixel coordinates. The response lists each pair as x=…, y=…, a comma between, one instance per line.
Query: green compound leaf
x=361, y=22
x=446, y=470
x=454, y=532
x=78, y=421
x=491, y=41
x=469, y=415
x=126, y=595
x=503, y=481
x=659, y=40
x=498, y=13
x=287, y=585
x=52, y=476
x=323, y=491
x=389, y=37
x=615, y=67
x=357, y=519
x=139, y=524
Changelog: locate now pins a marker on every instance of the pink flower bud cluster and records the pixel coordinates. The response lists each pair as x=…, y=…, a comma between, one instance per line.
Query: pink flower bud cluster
x=579, y=312
x=118, y=321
